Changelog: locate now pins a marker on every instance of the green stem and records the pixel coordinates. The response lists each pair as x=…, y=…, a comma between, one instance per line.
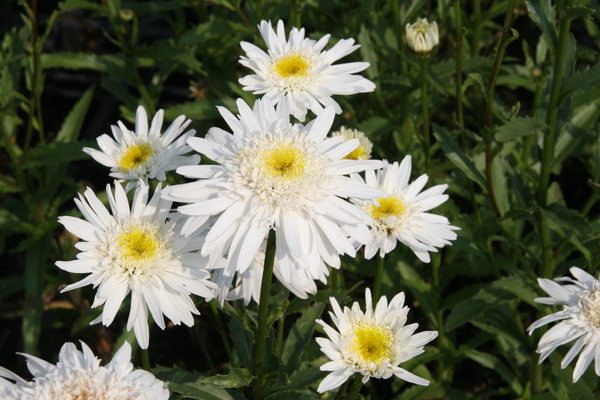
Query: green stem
x=221, y=331
x=502, y=44
x=425, y=109
x=356, y=384
x=145, y=359
x=263, y=317
x=459, y=73
x=378, y=278
x=476, y=28
x=549, y=141
x=279, y=337
x=296, y=13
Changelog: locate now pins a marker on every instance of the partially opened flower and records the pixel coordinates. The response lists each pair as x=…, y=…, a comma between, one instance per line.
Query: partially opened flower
x=403, y=216
x=372, y=343
x=146, y=153
x=272, y=174
x=363, y=151
x=137, y=250
x=298, y=72
x=78, y=375
x=580, y=320
x=422, y=37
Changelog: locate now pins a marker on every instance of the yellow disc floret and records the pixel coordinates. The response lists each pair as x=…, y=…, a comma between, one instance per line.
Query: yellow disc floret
x=284, y=162
x=135, y=156
x=293, y=65
x=138, y=244
x=357, y=154
x=372, y=343
x=387, y=208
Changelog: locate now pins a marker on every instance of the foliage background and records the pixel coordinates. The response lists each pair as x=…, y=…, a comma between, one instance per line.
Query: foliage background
x=70, y=70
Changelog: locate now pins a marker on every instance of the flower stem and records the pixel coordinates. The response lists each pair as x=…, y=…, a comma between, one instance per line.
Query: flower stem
x=145, y=359
x=425, y=109
x=459, y=73
x=549, y=139
x=263, y=316
x=378, y=277
x=356, y=384
x=489, y=105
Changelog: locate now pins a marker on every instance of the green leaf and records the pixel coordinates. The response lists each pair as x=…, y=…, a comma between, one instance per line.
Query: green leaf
x=489, y=361
x=69, y=131
x=238, y=377
x=242, y=341
x=517, y=127
x=567, y=219
x=542, y=13
x=583, y=80
x=576, y=12
x=199, y=110
x=200, y=391
x=500, y=184
x=57, y=153
x=457, y=157
x=70, y=5
x=483, y=300
x=300, y=333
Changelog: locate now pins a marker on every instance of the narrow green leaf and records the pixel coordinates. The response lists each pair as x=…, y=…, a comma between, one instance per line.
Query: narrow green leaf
x=542, y=13
x=577, y=12
x=469, y=309
x=238, y=377
x=69, y=131
x=300, y=333
x=489, y=361
x=567, y=219
x=583, y=80
x=517, y=127
x=499, y=182
x=35, y=268
x=199, y=110
x=57, y=153
x=200, y=391
x=457, y=157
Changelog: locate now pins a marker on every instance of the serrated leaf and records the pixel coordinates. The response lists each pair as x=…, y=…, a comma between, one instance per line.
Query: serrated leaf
x=200, y=391
x=457, y=157
x=583, y=80
x=518, y=127
x=567, y=219
x=576, y=12
x=69, y=130
x=483, y=300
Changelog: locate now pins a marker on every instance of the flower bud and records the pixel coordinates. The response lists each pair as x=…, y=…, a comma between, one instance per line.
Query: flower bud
x=422, y=37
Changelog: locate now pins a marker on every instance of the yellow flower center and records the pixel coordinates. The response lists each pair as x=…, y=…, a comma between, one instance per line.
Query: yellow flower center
x=138, y=244
x=285, y=162
x=387, y=208
x=357, y=154
x=293, y=65
x=372, y=343
x=590, y=306
x=135, y=156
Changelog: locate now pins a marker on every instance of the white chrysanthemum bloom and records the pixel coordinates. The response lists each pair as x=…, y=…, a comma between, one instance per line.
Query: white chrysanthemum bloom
x=144, y=154
x=422, y=37
x=363, y=151
x=138, y=250
x=273, y=174
x=372, y=343
x=580, y=320
x=298, y=72
x=402, y=215
x=78, y=375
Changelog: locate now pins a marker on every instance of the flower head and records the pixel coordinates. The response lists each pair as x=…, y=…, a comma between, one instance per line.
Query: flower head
x=402, y=215
x=78, y=375
x=272, y=174
x=372, y=343
x=144, y=154
x=580, y=320
x=137, y=250
x=298, y=72
x=363, y=151
x=422, y=37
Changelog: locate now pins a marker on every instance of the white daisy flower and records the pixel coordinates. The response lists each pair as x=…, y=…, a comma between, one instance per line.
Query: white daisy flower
x=580, y=320
x=402, y=215
x=422, y=37
x=372, y=343
x=298, y=72
x=144, y=154
x=138, y=250
x=363, y=151
x=78, y=375
x=272, y=174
